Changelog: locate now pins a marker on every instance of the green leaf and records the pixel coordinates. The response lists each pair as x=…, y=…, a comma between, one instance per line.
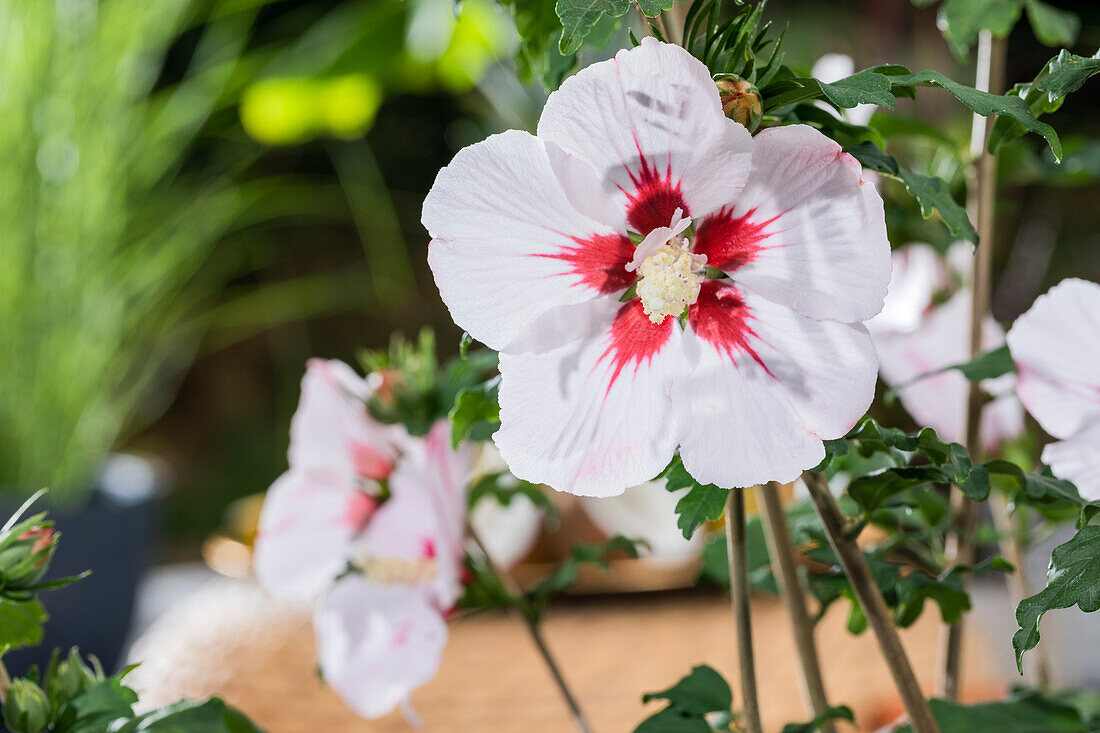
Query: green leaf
x=1027, y=711
x=1072, y=580
x=1062, y=75
x=1067, y=72
x=503, y=488
x=701, y=504
x=988, y=365
x=188, y=716
x=835, y=712
x=961, y=20
x=674, y=720
x=475, y=408
x=92, y=711
x=1053, y=27
x=539, y=31
x=1040, y=490
x=863, y=87
x=703, y=691
x=580, y=17
x=565, y=575
x=20, y=623
x=985, y=104
x=931, y=194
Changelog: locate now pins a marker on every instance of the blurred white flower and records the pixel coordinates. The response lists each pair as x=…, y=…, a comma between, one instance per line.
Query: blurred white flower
x=915, y=336
x=1056, y=346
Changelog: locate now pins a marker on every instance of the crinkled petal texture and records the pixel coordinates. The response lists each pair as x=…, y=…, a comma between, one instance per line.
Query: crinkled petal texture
x=766, y=386
x=1056, y=346
x=650, y=124
x=807, y=231
x=331, y=433
x=306, y=528
x=377, y=643
x=423, y=520
x=939, y=401
x=508, y=245
x=1078, y=460
x=595, y=417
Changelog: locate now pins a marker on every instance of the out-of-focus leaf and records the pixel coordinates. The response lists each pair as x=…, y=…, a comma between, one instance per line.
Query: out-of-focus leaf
x=475, y=408
x=698, y=703
x=565, y=575
x=93, y=711
x=1053, y=27
x=931, y=194
x=987, y=365
x=504, y=488
x=960, y=20
x=188, y=716
x=580, y=17
x=701, y=504
x=1027, y=711
x=20, y=623
x=835, y=712
x=1040, y=490
x=1072, y=580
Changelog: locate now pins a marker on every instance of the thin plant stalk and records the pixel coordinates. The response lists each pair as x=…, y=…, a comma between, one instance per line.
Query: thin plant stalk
x=5, y=682
x=780, y=548
x=983, y=188
x=514, y=592
x=739, y=598
x=871, y=602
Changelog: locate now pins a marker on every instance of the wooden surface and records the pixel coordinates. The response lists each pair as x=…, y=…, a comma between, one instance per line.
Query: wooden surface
x=232, y=640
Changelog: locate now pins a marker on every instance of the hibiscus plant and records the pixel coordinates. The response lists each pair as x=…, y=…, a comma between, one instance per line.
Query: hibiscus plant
x=73, y=694
x=687, y=274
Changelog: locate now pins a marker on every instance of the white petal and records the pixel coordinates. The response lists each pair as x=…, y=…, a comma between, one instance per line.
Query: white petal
x=1056, y=346
x=767, y=386
x=650, y=122
x=332, y=433
x=818, y=229
x=376, y=644
x=645, y=512
x=305, y=533
x=423, y=520
x=1078, y=460
x=918, y=273
x=508, y=245
x=592, y=419
x=939, y=401
x=509, y=532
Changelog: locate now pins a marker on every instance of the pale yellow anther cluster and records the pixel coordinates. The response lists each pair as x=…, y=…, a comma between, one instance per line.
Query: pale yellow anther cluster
x=392, y=570
x=670, y=282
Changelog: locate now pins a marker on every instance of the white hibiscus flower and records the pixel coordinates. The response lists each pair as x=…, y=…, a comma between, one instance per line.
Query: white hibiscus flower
x=603, y=375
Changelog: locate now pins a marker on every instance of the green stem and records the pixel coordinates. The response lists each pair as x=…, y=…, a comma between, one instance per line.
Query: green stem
x=515, y=594
x=871, y=602
x=739, y=598
x=780, y=548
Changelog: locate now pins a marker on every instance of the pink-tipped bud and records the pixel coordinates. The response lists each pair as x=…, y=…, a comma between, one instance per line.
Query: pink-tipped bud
x=370, y=463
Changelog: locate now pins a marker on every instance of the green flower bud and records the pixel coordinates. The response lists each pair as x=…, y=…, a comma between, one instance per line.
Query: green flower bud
x=741, y=101
x=72, y=677
x=25, y=559
x=26, y=708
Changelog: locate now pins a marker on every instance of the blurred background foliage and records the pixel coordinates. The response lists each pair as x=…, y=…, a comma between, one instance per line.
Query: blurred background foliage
x=198, y=196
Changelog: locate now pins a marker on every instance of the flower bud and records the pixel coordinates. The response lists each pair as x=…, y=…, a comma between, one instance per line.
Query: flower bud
x=72, y=677
x=24, y=559
x=740, y=100
x=26, y=708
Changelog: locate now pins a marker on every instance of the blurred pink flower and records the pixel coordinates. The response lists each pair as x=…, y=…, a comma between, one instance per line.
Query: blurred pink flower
x=1056, y=346
x=313, y=512
x=753, y=369
x=914, y=337
x=376, y=518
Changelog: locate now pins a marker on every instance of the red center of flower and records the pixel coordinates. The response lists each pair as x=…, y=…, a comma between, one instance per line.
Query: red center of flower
x=600, y=261
x=654, y=200
x=729, y=242
x=634, y=339
x=721, y=318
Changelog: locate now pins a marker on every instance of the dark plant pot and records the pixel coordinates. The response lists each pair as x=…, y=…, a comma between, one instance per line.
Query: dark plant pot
x=112, y=534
